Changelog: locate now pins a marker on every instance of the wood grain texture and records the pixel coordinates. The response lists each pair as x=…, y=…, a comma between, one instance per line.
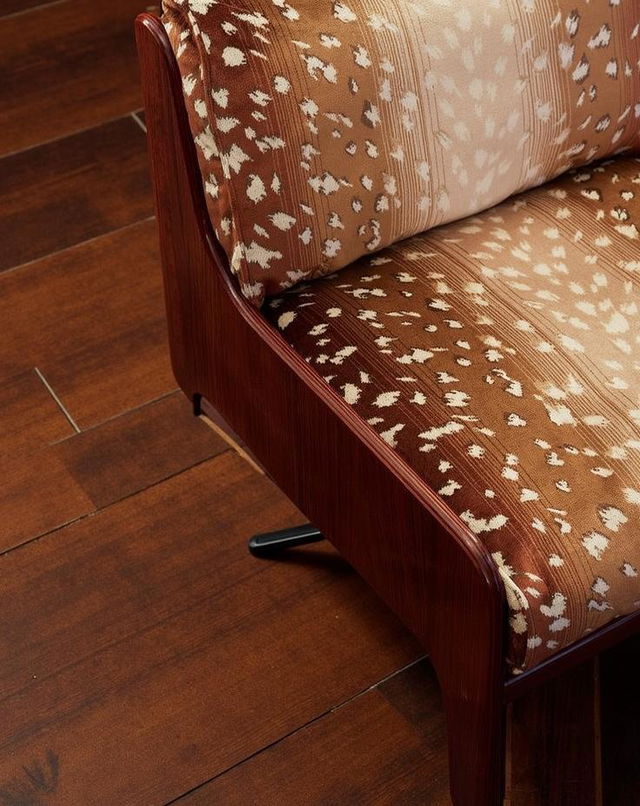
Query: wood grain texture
x=415, y=694
x=29, y=416
x=555, y=757
x=154, y=652
x=73, y=189
x=46, y=488
x=60, y=72
x=619, y=670
x=21, y=6
x=92, y=319
x=138, y=449
x=432, y=571
x=33, y=507
x=385, y=747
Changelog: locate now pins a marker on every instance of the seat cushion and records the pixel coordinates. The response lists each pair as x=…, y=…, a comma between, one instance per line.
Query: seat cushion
x=500, y=357
x=327, y=130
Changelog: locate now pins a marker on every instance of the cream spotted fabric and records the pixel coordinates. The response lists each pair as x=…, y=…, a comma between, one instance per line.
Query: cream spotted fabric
x=500, y=357
x=329, y=129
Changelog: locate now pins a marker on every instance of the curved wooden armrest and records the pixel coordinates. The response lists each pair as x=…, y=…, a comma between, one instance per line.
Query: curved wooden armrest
x=397, y=533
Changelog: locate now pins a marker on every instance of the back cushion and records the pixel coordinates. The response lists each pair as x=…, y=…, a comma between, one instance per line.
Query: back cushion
x=328, y=129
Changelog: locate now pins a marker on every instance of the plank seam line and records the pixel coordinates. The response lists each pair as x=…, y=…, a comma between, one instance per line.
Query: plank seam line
x=61, y=405
x=139, y=121
x=119, y=414
x=293, y=732
x=77, y=245
x=100, y=510
x=73, y=133
x=39, y=7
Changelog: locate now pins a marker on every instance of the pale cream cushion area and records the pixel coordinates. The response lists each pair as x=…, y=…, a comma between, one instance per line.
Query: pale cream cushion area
x=328, y=130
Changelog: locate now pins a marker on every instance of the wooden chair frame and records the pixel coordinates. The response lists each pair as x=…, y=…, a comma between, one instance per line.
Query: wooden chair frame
x=399, y=535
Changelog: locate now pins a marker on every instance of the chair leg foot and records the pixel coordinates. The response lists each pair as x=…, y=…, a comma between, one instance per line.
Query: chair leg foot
x=271, y=543
x=476, y=753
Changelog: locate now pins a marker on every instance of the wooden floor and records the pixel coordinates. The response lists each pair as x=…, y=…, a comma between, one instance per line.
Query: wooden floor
x=146, y=657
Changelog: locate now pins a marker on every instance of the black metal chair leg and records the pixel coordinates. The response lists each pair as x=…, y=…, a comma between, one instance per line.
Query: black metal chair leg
x=271, y=543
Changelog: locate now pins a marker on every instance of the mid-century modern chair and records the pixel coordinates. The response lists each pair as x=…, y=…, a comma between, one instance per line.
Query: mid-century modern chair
x=400, y=245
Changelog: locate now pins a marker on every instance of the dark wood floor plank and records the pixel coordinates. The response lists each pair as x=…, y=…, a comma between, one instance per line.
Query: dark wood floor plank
x=73, y=189
x=67, y=67
x=145, y=649
x=415, y=694
x=46, y=488
x=29, y=416
x=37, y=494
x=619, y=674
x=20, y=6
x=138, y=449
x=92, y=319
x=370, y=751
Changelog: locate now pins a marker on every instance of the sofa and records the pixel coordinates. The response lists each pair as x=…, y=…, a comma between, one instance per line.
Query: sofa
x=400, y=255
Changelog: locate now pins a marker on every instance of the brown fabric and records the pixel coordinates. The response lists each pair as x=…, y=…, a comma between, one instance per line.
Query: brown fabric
x=327, y=130
x=500, y=357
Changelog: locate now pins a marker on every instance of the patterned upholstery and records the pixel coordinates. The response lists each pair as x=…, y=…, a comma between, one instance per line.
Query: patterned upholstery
x=329, y=129
x=500, y=357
